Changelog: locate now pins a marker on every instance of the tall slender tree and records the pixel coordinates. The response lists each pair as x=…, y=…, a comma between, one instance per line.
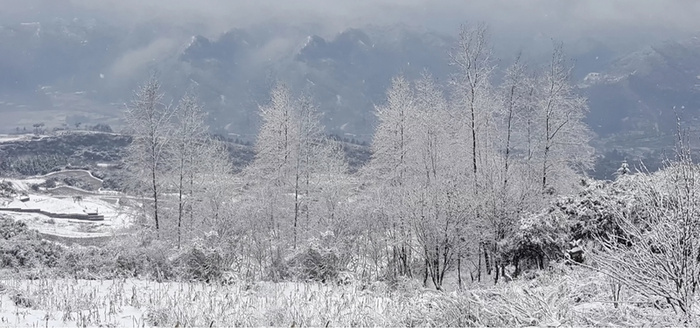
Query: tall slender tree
x=292, y=157
x=561, y=135
x=149, y=122
x=390, y=166
x=473, y=94
x=436, y=202
x=471, y=58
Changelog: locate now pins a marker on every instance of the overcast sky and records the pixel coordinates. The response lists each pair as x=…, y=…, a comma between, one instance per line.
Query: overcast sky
x=559, y=18
x=621, y=26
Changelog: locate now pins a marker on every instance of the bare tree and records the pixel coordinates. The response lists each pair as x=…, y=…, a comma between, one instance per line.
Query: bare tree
x=389, y=167
x=515, y=107
x=561, y=135
x=655, y=250
x=472, y=59
x=214, y=187
x=436, y=201
x=149, y=122
x=473, y=94
x=199, y=164
x=293, y=156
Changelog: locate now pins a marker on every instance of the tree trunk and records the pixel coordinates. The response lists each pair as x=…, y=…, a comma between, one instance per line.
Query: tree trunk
x=179, y=213
x=296, y=209
x=487, y=261
x=425, y=274
x=478, y=268
x=497, y=262
x=155, y=197
x=459, y=268
x=497, y=275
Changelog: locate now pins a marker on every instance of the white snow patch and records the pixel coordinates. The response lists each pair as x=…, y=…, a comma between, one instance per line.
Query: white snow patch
x=24, y=185
x=8, y=138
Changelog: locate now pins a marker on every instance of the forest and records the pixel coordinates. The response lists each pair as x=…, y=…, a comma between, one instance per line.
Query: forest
x=473, y=210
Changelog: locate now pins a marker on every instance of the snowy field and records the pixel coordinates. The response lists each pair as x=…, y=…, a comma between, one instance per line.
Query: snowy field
x=550, y=300
x=60, y=200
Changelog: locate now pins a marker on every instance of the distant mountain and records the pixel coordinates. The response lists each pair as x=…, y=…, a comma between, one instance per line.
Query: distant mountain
x=71, y=69
x=636, y=102
x=347, y=74
x=350, y=73
x=640, y=94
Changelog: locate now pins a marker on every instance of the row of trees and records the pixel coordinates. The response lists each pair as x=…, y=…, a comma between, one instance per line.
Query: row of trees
x=459, y=170
x=453, y=169
x=174, y=163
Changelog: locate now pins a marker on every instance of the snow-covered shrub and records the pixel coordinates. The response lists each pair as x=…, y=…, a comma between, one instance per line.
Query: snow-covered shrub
x=7, y=189
x=200, y=264
x=88, y=263
x=21, y=247
x=145, y=260
x=49, y=183
x=310, y=264
x=10, y=228
x=77, y=182
x=27, y=252
x=571, y=221
x=539, y=238
x=22, y=300
x=321, y=260
x=658, y=252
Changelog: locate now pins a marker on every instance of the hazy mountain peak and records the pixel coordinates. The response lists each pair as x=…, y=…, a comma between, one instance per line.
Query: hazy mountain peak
x=236, y=37
x=353, y=37
x=198, y=47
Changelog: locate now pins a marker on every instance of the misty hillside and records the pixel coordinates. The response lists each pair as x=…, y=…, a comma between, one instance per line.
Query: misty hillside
x=638, y=92
x=218, y=163
x=73, y=70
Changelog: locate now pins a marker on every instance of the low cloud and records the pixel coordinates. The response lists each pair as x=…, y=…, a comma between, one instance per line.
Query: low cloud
x=552, y=18
x=555, y=17
x=135, y=62
x=515, y=24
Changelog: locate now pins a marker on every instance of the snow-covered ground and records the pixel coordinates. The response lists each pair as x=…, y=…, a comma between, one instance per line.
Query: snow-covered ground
x=67, y=172
x=57, y=205
x=12, y=137
x=23, y=185
x=70, y=303
x=116, y=216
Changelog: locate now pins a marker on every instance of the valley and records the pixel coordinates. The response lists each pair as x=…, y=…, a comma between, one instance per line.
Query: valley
x=322, y=163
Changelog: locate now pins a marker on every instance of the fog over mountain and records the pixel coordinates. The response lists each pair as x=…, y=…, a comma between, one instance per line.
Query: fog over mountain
x=70, y=61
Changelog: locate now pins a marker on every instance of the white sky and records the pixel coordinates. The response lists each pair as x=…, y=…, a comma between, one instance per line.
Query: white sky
x=556, y=18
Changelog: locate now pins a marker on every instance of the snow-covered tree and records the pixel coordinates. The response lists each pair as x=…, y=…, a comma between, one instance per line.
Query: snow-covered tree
x=148, y=120
x=293, y=158
x=200, y=169
x=436, y=199
x=654, y=248
x=474, y=99
x=390, y=170
x=418, y=179
x=471, y=80
x=189, y=136
x=561, y=136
